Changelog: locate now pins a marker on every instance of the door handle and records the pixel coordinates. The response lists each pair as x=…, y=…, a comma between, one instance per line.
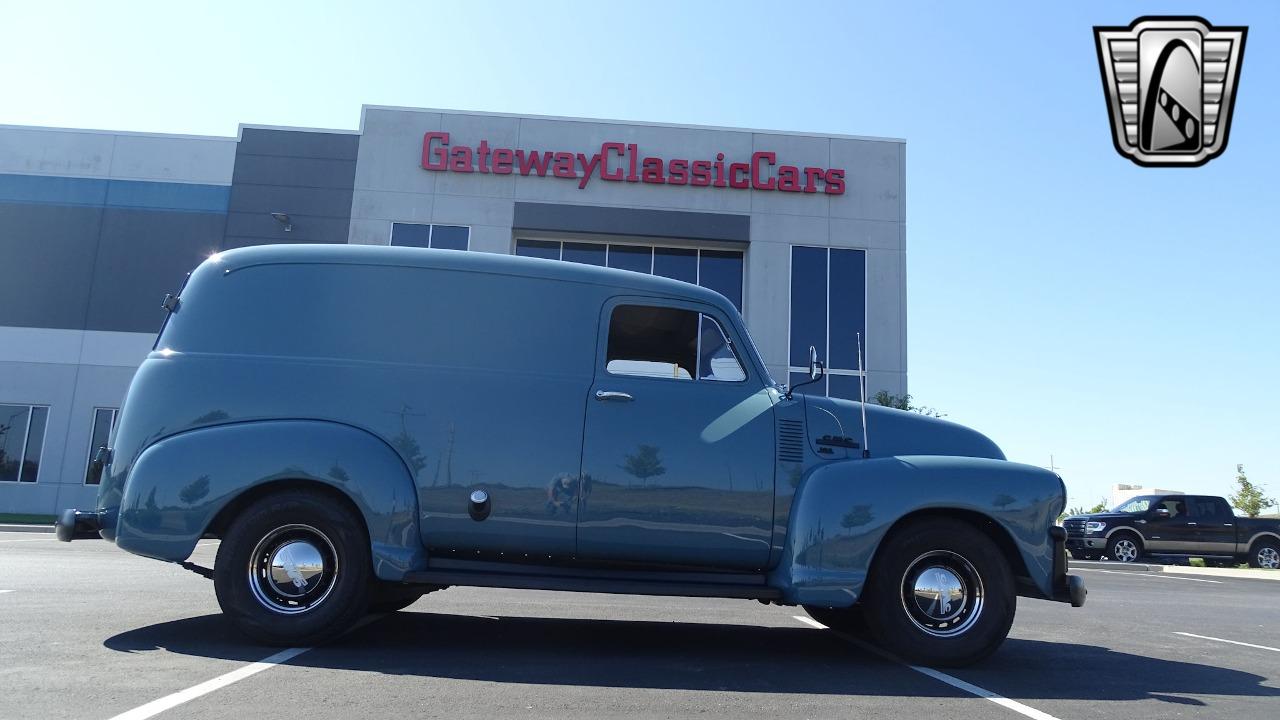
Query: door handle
x=1192, y=524
x=613, y=395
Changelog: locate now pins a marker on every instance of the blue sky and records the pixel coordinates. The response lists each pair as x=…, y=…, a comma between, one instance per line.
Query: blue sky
x=1060, y=298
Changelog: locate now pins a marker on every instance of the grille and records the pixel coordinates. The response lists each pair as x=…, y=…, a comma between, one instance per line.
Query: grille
x=790, y=441
x=1073, y=526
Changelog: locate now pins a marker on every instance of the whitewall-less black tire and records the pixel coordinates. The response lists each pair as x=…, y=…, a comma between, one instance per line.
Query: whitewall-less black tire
x=940, y=592
x=294, y=569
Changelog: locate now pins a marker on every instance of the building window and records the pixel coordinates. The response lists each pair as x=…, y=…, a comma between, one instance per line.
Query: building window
x=104, y=421
x=829, y=312
x=719, y=270
x=21, y=441
x=671, y=343
x=441, y=237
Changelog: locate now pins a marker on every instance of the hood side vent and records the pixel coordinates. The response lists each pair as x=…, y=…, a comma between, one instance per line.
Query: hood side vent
x=790, y=441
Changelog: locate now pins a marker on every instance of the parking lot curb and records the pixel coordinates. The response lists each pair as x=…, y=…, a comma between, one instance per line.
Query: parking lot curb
x=1250, y=574
x=16, y=527
x=1131, y=567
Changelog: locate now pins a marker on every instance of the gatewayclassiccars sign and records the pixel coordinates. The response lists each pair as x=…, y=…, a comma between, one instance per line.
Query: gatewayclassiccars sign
x=622, y=162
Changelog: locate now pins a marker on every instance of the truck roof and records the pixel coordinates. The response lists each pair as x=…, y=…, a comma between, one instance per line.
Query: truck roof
x=464, y=261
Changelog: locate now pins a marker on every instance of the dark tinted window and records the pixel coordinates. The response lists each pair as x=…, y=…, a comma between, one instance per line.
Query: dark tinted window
x=450, y=237
x=548, y=249
x=818, y=388
x=1209, y=507
x=103, y=420
x=585, y=253
x=721, y=270
x=676, y=263
x=808, y=303
x=21, y=441
x=441, y=237
x=631, y=257
x=848, y=308
x=410, y=235
x=844, y=386
x=653, y=342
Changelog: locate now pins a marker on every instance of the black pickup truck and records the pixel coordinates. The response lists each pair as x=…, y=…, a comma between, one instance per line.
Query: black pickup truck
x=1198, y=525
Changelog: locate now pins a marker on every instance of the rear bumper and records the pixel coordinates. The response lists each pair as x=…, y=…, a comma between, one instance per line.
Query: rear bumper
x=75, y=524
x=1066, y=588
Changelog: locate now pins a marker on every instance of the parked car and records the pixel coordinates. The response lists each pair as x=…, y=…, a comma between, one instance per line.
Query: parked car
x=360, y=425
x=1197, y=525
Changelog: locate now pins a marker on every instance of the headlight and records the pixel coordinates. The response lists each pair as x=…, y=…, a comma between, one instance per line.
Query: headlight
x=1094, y=526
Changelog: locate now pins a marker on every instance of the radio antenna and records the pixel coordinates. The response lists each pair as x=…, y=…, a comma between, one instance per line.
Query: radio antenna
x=862, y=390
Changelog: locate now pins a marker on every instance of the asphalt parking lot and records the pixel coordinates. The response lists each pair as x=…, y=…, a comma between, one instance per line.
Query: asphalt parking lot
x=92, y=632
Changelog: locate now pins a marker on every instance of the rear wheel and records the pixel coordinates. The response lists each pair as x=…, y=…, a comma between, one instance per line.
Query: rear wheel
x=940, y=592
x=1124, y=547
x=293, y=569
x=1265, y=554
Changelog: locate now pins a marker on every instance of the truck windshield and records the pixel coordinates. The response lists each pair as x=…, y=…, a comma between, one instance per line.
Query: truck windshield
x=1137, y=505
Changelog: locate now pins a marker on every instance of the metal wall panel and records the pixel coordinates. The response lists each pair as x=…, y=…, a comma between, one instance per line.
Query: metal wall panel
x=141, y=256
x=46, y=263
x=308, y=176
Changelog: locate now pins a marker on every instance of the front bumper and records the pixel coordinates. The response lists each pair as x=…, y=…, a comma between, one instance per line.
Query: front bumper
x=1066, y=588
x=1086, y=542
x=75, y=524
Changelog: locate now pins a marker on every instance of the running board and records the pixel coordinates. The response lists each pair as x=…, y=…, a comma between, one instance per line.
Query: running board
x=593, y=585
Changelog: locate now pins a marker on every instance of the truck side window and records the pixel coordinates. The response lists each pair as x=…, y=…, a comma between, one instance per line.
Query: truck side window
x=653, y=342
x=716, y=359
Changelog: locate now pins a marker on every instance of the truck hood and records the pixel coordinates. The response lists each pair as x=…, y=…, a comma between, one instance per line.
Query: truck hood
x=893, y=432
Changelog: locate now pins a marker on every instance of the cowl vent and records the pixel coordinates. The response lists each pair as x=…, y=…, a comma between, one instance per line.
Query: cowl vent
x=790, y=441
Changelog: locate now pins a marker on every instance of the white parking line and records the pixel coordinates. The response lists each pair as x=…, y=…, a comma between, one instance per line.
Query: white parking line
x=1159, y=576
x=155, y=707
x=1233, y=642
x=954, y=682
x=4, y=591
x=28, y=540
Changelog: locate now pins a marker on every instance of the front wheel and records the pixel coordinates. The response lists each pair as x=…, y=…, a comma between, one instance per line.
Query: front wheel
x=1266, y=554
x=940, y=592
x=1124, y=548
x=294, y=569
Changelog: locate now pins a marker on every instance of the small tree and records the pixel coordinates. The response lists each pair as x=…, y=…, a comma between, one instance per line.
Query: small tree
x=1100, y=507
x=644, y=464
x=1249, y=498
x=903, y=402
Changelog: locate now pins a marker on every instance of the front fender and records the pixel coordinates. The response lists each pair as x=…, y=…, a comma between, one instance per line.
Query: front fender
x=178, y=485
x=843, y=511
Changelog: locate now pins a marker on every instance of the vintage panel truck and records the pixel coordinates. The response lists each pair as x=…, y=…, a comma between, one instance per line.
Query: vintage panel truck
x=360, y=425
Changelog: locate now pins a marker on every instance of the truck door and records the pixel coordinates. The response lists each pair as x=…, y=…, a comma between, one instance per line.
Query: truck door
x=1216, y=525
x=678, y=451
x=1174, y=534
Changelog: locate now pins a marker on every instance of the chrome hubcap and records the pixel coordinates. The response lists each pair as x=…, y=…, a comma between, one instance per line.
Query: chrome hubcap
x=1126, y=551
x=942, y=593
x=1269, y=557
x=292, y=569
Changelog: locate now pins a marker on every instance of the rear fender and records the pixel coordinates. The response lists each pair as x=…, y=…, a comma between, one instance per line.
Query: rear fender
x=178, y=486
x=843, y=511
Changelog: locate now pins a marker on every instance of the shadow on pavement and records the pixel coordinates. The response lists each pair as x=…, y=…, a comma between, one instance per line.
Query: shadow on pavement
x=694, y=656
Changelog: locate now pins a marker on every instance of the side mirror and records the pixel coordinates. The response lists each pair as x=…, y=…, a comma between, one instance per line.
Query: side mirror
x=816, y=368
x=1160, y=513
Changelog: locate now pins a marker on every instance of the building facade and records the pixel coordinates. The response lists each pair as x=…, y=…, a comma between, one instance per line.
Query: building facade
x=804, y=233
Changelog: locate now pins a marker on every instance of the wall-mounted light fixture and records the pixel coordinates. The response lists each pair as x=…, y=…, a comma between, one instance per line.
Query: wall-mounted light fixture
x=283, y=219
